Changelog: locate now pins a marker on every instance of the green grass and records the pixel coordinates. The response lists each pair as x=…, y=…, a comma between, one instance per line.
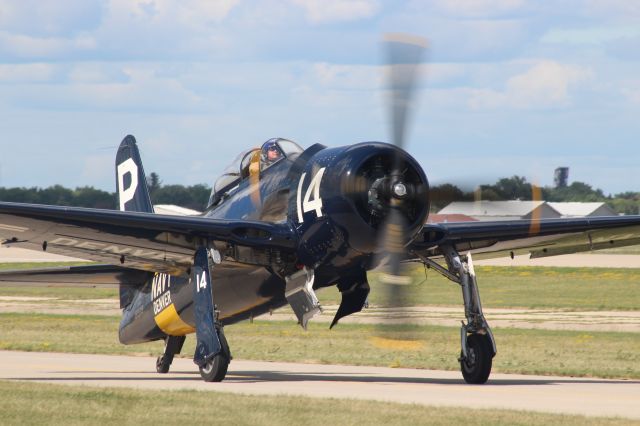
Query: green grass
x=501, y=287
x=547, y=352
x=62, y=293
x=37, y=403
x=528, y=286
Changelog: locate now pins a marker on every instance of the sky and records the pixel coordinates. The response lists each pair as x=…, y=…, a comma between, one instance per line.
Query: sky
x=511, y=87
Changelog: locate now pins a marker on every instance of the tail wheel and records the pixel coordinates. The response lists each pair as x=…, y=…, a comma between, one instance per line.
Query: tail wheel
x=161, y=366
x=476, y=367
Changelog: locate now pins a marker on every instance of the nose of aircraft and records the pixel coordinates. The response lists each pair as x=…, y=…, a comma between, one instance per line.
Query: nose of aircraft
x=379, y=178
x=399, y=190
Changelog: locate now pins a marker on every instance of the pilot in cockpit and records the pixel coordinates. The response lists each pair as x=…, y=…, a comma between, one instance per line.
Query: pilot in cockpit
x=270, y=154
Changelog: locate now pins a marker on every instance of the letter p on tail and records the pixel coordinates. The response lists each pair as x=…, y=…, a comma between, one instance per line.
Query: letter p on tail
x=131, y=182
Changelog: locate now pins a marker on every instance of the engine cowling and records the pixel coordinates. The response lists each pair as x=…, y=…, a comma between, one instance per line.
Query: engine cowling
x=345, y=195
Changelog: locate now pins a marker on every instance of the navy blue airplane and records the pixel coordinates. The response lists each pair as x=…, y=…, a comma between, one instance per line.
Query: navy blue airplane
x=282, y=222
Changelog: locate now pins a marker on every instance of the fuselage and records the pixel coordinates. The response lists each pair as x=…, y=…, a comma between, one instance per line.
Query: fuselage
x=319, y=193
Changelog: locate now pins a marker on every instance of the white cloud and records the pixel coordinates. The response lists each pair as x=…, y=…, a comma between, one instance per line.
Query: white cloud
x=632, y=95
x=473, y=8
x=544, y=85
x=26, y=73
x=462, y=40
x=96, y=72
x=144, y=90
x=323, y=11
x=443, y=73
x=592, y=35
x=547, y=83
x=35, y=29
x=105, y=87
x=617, y=10
x=372, y=77
x=350, y=77
x=31, y=47
x=194, y=13
x=163, y=29
x=49, y=17
x=630, y=89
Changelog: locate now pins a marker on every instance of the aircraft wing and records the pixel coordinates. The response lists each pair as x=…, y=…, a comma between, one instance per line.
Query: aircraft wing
x=145, y=241
x=539, y=238
x=81, y=276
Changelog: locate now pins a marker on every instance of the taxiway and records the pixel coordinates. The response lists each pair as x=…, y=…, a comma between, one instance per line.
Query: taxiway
x=592, y=397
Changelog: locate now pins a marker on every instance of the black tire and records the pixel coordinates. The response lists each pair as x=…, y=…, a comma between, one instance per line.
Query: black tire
x=477, y=367
x=225, y=345
x=161, y=366
x=216, y=369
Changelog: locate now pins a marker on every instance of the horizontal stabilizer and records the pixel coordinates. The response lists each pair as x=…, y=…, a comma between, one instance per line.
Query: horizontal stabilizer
x=86, y=275
x=128, y=280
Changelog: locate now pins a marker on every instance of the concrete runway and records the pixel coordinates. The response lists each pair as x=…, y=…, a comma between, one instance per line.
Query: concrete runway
x=592, y=397
x=13, y=254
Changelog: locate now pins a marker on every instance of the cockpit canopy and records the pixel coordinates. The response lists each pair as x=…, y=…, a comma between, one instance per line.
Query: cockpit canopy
x=253, y=160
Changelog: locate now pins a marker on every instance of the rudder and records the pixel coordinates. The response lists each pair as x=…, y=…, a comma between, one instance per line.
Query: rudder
x=131, y=183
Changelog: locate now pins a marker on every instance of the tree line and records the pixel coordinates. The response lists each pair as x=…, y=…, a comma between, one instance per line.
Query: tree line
x=196, y=196
x=193, y=197
x=518, y=188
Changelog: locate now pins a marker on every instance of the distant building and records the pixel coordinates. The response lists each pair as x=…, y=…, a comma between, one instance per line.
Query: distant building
x=172, y=210
x=448, y=218
x=577, y=209
x=561, y=177
x=501, y=210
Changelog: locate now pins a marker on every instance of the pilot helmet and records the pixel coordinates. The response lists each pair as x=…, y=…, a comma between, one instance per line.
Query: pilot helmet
x=271, y=152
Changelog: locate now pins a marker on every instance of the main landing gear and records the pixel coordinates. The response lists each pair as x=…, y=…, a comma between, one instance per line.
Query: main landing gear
x=212, y=350
x=478, y=346
x=215, y=369
x=212, y=355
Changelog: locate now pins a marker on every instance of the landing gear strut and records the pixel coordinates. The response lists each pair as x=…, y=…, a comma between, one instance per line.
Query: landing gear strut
x=172, y=347
x=478, y=346
x=212, y=351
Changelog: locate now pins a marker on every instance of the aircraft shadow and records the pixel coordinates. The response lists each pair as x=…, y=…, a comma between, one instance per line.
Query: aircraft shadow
x=250, y=376
x=275, y=376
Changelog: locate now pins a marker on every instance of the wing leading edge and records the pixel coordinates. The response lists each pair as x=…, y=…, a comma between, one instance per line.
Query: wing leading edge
x=539, y=238
x=145, y=241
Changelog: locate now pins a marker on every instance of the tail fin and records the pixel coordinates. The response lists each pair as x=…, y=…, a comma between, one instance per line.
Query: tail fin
x=131, y=182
